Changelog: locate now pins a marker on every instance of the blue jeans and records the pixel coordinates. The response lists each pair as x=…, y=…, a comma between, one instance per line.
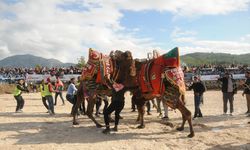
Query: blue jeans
x=51, y=103
x=197, y=102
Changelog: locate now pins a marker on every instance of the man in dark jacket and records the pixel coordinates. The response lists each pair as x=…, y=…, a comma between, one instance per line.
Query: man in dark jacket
x=199, y=89
x=229, y=88
x=117, y=104
x=247, y=92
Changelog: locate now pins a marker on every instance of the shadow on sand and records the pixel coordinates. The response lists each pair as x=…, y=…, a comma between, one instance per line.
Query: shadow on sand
x=231, y=146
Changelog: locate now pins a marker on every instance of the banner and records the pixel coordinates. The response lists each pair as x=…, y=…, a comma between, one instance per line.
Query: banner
x=209, y=77
x=38, y=78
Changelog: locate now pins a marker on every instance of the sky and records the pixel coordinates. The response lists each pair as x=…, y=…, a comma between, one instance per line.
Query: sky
x=66, y=29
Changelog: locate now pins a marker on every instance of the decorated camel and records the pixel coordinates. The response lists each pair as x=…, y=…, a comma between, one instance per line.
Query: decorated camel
x=162, y=77
x=157, y=78
x=99, y=74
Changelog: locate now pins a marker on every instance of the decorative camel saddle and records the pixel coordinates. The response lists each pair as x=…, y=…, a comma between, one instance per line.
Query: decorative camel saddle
x=165, y=68
x=98, y=64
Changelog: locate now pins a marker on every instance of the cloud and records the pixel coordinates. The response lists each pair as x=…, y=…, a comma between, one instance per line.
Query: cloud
x=178, y=32
x=65, y=29
x=245, y=38
x=186, y=7
x=190, y=43
x=44, y=28
x=4, y=51
x=197, y=45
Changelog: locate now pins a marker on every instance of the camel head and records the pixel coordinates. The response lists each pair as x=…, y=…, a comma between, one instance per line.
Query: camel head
x=126, y=66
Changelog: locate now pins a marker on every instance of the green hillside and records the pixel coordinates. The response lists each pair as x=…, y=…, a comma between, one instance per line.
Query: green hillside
x=215, y=58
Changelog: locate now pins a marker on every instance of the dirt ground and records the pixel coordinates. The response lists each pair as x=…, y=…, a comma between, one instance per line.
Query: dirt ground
x=35, y=129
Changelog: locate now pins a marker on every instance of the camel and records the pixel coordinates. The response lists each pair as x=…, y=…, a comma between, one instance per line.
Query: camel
x=132, y=73
x=159, y=71
x=122, y=68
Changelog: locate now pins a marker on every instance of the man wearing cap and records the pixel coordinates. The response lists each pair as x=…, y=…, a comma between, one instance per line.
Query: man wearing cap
x=247, y=92
x=199, y=89
x=228, y=89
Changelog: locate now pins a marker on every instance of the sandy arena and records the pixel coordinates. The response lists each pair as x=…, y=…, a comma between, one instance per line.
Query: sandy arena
x=35, y=129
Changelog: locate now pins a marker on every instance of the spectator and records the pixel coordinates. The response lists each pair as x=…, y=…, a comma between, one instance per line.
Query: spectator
x=199, y=89
x=42, y=90
x=59, y=88
x=229, y=88
x=71, y=94
x=48, y=89
x=247, y=92
x=18, y=95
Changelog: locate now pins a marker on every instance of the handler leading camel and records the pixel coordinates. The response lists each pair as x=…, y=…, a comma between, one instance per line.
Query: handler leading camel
x=117, y=104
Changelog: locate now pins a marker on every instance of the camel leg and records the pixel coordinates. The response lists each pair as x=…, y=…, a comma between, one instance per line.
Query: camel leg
x=79, y=100
x=181, y=128
x=138, y=117
x=83, y=107
x=75, y=110
x=141, y=111
x=90, y=108
x=186, y=116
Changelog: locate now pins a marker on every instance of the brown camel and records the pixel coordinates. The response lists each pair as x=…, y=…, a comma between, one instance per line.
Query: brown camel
x=123, y=70
x=170, y=92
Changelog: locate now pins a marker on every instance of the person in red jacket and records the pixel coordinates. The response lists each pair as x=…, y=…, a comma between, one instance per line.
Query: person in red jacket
x=59, y=88
x=48, y=90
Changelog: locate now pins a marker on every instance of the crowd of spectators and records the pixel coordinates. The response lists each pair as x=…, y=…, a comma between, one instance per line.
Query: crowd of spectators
x=216, y=69
x=23, y=72
x=16, y=73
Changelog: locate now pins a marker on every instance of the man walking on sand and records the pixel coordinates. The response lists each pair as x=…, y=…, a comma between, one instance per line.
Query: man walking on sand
x=199, y=89
x=228, y=89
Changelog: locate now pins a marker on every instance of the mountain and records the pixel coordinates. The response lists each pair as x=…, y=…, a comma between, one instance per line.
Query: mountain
x=215, y=58
x=31, y=61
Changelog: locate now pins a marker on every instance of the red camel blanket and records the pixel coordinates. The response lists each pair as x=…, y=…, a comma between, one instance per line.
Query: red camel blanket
x=92, y=65
x=98, y=64
x=150, y=76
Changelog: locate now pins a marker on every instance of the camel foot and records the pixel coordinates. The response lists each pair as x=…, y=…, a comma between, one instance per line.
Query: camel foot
x=75, y=123
x=141, y=127
x=191, y=135
x=180, y=129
